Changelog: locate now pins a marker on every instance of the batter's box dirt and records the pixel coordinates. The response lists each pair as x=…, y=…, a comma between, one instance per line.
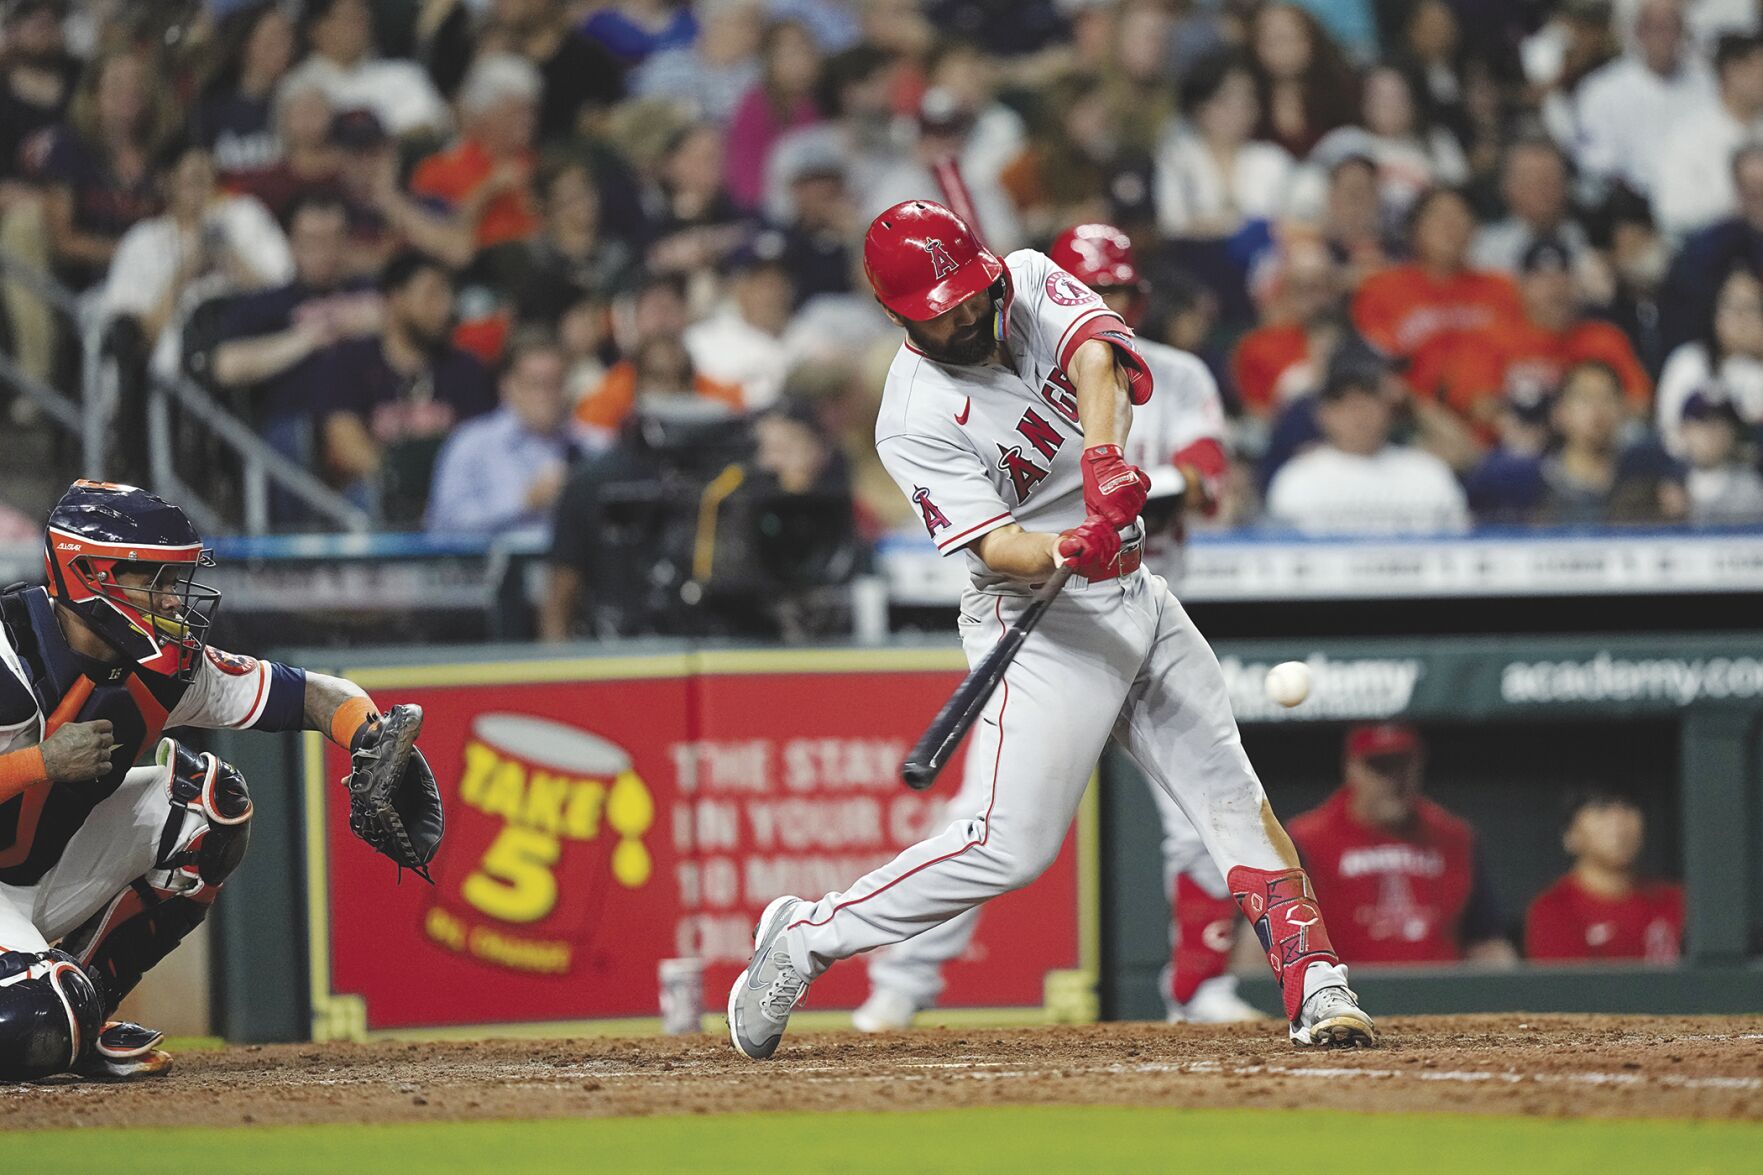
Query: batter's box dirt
x=1704, y=1067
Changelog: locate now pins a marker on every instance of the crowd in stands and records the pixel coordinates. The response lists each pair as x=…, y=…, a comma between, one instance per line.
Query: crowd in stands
x=1449, y=261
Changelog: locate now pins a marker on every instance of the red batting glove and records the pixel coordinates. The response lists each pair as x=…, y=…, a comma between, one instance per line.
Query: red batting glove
x=1090, y=548
x=1113, y=490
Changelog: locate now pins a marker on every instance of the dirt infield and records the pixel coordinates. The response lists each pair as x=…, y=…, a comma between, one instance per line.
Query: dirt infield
x=1702, y=1067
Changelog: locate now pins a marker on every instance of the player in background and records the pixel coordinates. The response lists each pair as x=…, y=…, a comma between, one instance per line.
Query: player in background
x=1404, y=876
x=105, y=866
x=1602, y=908
x=1002, y=421
x=1178, y=438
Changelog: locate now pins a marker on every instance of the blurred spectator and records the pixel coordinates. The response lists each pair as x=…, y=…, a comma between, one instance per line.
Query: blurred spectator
x=584, y=332
x=393, y=399
x=486, y=178
x=1529, y=355
x=1412, y=154
x=1211, y=178
x=270, y=343
x=96, y=168
x=1589, y=476
x=1522, y=439
x=1723, y=484
x=1730, y=355
x=856, y=98
x=1694, y=186
x=306, y=160
x=710, y=76
x=658, y=312
x=1306, y=88
x=1436, y=297
x=506, y=468
x=1285, y=357
x=817, y=243
x=1705, y=259
x=781, y=100
x=235, y=113
x=963, y=124
x=1602, y=908
x=1061, y=176
x=1627, y=111
x=742, y=343
x=340, y=36
x=1403, y=877
x=1357, y=481
x=206, y=245
x=580, y=77
x=572, y=257
x=1574, y=42
x=631, y=30
x=37, y=80
x=1535, y=184
x=1432, y=55
x=1353, y=220
x=1634, y=259
x=383, y=218
x=693, y=223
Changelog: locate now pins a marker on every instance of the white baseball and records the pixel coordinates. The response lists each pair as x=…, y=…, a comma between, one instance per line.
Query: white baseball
x=1288, y=683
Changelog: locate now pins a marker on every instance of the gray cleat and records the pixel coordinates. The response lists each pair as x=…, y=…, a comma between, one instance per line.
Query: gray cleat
x=760, y=1002
x=1331, y=1017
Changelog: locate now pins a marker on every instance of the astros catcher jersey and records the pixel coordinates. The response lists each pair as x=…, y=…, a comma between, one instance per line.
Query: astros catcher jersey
x=38, y=670
x=981, y=446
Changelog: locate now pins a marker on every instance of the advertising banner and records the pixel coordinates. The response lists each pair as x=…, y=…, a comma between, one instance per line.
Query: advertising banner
x=603, y=816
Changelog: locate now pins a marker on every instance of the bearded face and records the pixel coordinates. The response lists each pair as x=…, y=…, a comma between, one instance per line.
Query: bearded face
x=962, y=336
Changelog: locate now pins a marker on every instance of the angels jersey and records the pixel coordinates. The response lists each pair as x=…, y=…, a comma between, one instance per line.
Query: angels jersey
x=980, y=446
x=1181, y=426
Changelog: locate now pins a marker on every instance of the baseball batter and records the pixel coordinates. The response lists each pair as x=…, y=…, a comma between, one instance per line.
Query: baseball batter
x=105, y=866
x=1003, y=421
x=1178, y=437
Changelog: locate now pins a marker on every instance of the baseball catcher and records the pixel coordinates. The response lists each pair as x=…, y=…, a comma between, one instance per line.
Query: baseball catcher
x=105, y=866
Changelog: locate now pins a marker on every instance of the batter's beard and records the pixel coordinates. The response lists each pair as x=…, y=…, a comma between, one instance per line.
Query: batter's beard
x=962, y=351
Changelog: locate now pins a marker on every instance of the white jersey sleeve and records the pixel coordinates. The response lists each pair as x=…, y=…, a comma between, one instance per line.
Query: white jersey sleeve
x=230, y=691
x=948, y=484
x=1058, y=314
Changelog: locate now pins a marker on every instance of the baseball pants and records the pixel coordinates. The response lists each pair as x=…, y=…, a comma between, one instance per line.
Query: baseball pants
x=1111, y=658
x=117, y=843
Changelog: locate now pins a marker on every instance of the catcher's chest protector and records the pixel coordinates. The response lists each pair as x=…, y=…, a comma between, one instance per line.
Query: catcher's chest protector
x=36, y=826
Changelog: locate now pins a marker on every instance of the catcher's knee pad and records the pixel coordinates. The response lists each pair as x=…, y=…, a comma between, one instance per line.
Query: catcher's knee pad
x=209, y=826
x=50, y=1014
x=203, y=841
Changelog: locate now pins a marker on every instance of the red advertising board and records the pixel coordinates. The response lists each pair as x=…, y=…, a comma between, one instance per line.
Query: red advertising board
x=604, y=815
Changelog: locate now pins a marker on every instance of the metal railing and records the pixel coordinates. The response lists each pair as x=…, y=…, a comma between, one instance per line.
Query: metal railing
x=88, y=419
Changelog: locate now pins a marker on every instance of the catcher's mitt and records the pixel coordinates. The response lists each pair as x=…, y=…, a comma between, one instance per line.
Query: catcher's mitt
x=394, y=803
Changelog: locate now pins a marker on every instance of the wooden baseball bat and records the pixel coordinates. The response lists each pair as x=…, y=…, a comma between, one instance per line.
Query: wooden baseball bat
x=962, y=709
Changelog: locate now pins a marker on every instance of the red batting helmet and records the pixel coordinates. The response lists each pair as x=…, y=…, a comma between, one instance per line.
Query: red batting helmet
x=923, y=260
x=1098, y=255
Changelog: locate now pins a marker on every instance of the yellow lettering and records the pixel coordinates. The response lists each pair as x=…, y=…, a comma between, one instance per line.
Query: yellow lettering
x=582, y=821
x=545, y=797
x=479, y=760
x=514, y=882
x=506, y=787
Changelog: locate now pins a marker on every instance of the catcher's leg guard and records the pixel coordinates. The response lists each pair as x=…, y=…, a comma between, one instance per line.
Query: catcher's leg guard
x=203, y=841
x=50, y=1014
x=1281, y=906
x=1205, y=927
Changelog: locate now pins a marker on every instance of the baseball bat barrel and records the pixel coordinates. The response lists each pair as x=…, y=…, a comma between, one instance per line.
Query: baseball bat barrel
x=962, y=709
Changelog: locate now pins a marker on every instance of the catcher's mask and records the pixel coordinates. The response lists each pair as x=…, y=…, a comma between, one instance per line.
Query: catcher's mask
x=124, y=561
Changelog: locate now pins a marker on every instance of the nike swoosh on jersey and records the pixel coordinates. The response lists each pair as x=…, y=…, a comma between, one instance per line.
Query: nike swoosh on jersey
x=966, y=407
